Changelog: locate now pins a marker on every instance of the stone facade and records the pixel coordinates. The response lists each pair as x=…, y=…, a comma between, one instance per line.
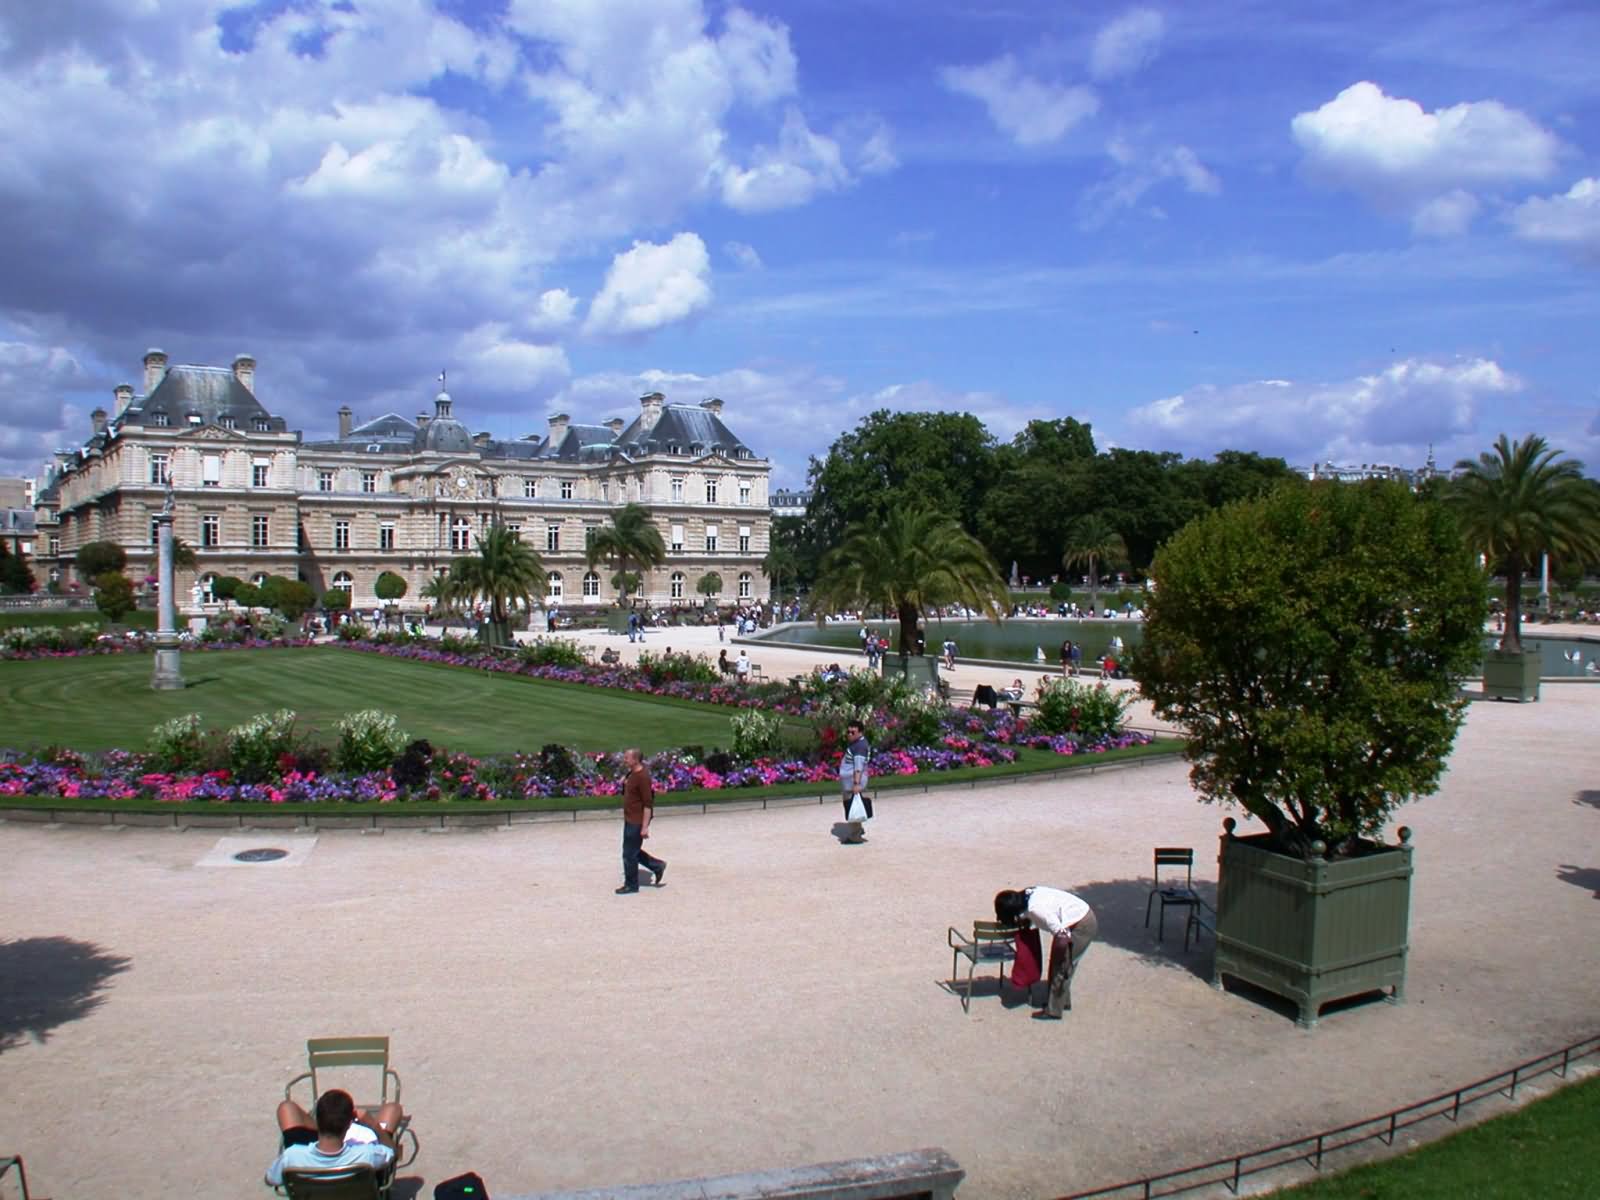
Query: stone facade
x=255, y=498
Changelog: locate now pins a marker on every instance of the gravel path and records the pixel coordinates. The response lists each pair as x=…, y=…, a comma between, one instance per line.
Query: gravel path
x=779, y=1002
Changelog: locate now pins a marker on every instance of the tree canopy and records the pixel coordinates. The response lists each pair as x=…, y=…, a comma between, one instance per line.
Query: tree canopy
x=631, y=544
x=113, y=595
x=503, y=570
x=14, y=573
x=94, y=559
x=1311, y=644
x=389, y=586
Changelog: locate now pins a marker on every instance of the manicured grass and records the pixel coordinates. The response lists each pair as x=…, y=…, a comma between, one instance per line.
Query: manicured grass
x=1547, y=1150
x=22, y=618
x=105, y=702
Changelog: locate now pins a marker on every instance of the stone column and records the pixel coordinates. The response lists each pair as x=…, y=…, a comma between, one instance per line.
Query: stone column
x=1544, y=582
x=168, y=674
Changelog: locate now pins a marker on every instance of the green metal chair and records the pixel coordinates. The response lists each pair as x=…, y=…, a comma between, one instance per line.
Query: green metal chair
x=1172, y=895
x=10, y=1162
x=325, y=1055
x=347, y=1183
x=991, y=942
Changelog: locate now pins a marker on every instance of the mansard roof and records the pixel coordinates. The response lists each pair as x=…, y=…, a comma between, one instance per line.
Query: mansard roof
x=691, y=428
x=211, y=393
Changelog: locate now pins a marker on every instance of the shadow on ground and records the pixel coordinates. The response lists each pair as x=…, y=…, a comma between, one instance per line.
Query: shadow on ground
x=47, y=982
x=1119, y=905
x=1584, y=877
x=1590, y=797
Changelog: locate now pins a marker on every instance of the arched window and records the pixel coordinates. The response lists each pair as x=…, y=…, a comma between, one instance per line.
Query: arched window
x=591, y=584
x=258, y=578
x=553, y=586
x=344, y=581
x=744, y=585
x=677, y=585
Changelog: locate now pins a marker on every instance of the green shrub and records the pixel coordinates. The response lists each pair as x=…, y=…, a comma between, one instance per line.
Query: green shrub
x=255, y=747
x=389, y=586
x=1091, y=711
x=178, y=744
x=921, y=717
x=551, y=652
x=336, y=600
x=756, y=733
x=369, y=740
x=350, y=631
x=691, y=668
x=113, y=595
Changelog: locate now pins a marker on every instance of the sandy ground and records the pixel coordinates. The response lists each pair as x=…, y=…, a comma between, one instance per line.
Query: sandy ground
x=781, y=1001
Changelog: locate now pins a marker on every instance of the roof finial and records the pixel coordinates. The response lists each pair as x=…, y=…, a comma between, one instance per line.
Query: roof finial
x=442, y=388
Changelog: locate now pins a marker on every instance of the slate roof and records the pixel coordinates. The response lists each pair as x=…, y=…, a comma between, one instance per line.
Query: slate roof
x=388, y=434
x=693, y=429
x=211, y=392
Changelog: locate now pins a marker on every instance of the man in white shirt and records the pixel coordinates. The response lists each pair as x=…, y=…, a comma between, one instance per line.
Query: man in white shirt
x=343, y=1136
x=1071, y=925
x=741, y=667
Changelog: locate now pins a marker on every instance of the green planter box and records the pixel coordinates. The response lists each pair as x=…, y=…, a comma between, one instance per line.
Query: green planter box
x=1312, y=930
x=1511, y=676
x=920, y=670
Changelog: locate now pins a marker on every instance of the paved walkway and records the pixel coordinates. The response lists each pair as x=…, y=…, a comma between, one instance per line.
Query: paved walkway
x=778, y=1003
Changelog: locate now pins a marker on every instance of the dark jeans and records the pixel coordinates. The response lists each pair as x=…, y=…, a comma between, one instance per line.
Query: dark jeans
x=634, y=853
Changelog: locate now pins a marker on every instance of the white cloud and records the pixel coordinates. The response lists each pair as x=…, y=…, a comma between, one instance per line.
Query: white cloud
x=1421, y=164
x=744, y=255
x=493, y=359
x=1126, y=44
x=554, y=311
x=1029, y=111
x=802, y=164
x=1136, y=171
x=1389, y=416
x=1571, y=219
x=651, y=286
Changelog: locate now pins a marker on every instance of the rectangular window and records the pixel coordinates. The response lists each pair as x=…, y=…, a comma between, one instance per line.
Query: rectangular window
x=744, y=539
x=341, y=535
x=744, y=491
x=530, y=489
x=566, y=489
x=211, y=470
x=386, y=536
x=155, y=532
x=460, y=534
x=160, y=419
x=514, y=528
x=605, y=490
x=55, y=544
x=210, y=531
x=369, y=481
x=677, y=491
x=711, y=491
x=324, y=481
x=258, y=472
x=259, y=531
x=712, y=533
x=588, y=535
x=552, y=537
x=158, y=468
x=677, y=538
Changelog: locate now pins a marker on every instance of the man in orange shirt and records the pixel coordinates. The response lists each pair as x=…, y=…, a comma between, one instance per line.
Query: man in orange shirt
x=638, y=806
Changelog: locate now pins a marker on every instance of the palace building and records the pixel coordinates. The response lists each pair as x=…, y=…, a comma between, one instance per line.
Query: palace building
x=406, y=495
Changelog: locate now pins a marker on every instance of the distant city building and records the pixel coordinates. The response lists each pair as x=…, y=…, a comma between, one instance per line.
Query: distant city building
x=1410, y=476
x=255, y=498
x=790, y=502
x=16, y=492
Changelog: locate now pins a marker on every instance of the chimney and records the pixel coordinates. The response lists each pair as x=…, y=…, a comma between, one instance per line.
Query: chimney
x=155, y=369
x=480, y=440
x=124, y=394
x=98, y=419
x=244, y=370
x=616, y=425
x=558, y=429
x=344, y=421
x=422, y=420
x=650, y=406
x=712, y=405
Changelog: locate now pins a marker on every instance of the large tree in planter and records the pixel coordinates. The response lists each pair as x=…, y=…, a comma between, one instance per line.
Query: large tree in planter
x=1311, y=644
x=503, y=570
x=631, y=544
x=1517, y=502
x=913, y=560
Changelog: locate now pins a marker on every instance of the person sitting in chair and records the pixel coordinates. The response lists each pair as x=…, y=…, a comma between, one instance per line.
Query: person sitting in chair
x=1068, y=920
x=344, y=1136
x=610, y=656
x=1013, y=696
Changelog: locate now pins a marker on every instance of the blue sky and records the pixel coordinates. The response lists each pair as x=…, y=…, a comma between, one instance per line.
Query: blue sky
x=1325, y=231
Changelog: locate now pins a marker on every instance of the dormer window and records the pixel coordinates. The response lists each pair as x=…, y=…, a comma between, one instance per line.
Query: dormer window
x=228, y=422
x=262, y=425
x=160, y=418
x=195, y=420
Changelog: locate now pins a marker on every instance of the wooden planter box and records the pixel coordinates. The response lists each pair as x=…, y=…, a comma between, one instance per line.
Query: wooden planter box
x=1312, y=930
x=1511, y=676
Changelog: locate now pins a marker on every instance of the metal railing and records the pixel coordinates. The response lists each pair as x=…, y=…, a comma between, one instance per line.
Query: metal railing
x=1314, y=1147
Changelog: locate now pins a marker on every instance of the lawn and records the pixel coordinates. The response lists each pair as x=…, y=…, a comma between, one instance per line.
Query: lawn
x=1547, y=1149
x=105, y=702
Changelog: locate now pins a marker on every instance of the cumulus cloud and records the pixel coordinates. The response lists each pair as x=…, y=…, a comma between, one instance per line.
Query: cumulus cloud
x=1571, y=219
x=1030, y=111
x=1137, y=170
x=491, y=357
x=800, y=165
x=1424, y=165
x=744, y=255
x=1392, y=415
x=37, y=377
x=1126, y=44
x=652, y=285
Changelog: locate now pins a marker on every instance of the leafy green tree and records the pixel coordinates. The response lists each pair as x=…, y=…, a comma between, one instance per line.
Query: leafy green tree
x=626, y=582
x=389, y=586
x=183, y=555
x=291, y=597
x=14, y=573
x=438, y=593
x=1236, y=475
x=95, y=559
x=914, y=560
x=1311, y=643
x=226, y=587
x=1041, y=482
x=1146, y=497
x=709, y=584
x=630, y=543
x=797, y=537
x=504, y=569
x=778, y=562
x=113, y=595
x=893, y=460
x=1091, y=543
x=1518, y=501
x=248, y=595
x=334, y=599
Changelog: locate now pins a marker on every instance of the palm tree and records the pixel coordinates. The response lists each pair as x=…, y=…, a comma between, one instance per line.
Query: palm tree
x=1090, y=542
x=780, y=561
x=915, y=560
x=630, y=541
x=1516, y=502
x=503, y=570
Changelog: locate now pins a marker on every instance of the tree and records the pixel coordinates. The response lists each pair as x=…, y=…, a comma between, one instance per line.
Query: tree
x=1091, y=542
x=437, y=592
x=225, y=587
x=1311, y=643
x=631, y=541
x=248, y=595
x=14, y=573
x=291, y=597
x=914, y=560
x=778, y=562
x=1236, y=475
x=389, y=586
x=709, y=584
x=95, y=559
x=1516, y=502
x=113, y=595
x=1147, y=498
x=623, y=582
x=334, y=599
x=503, y=570
x=1041, y=482
x=183, y=555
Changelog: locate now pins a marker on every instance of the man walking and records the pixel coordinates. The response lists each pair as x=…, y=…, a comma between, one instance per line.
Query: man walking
x=638, y=806
x=853, y=778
